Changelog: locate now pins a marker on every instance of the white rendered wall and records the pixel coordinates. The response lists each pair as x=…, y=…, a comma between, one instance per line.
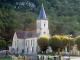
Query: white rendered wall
x=35, y=46
x=29, y=47
x=10, y=47
x=38, y=24
x=44, y=22
x=42, y=26
x=21, y=45
x=14, y=42
x=17, y=44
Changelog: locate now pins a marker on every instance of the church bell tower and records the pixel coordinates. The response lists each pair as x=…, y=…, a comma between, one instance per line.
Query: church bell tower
x=42, y=23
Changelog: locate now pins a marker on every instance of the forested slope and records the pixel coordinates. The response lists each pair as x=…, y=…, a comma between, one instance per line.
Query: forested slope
x=63, y=16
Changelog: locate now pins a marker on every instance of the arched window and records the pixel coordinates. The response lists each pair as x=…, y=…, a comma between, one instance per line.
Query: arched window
x=15, y=43
x=26, y=43
x=31, y=42
x=27, y=50
x=44, y=32
x=32, y=49
x=37, y=49
x=44, y=25
x=17, y=49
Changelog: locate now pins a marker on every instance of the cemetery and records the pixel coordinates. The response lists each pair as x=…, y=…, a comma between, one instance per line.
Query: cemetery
x=38, y=57
x=5, y=56
x=48, y=57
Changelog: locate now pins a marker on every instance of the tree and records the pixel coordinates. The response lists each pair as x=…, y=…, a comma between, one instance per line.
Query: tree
x=59, y=42
x=67, y=42
x=43, y=43
x=72, y=42
x=63, y=16
x=77, y=41
x=2, y=44
x=55, y=43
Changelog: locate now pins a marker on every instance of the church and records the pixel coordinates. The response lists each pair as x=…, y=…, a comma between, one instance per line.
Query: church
x=26, y=41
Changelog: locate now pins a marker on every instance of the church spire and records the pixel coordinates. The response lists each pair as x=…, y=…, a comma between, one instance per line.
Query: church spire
x=42, y=14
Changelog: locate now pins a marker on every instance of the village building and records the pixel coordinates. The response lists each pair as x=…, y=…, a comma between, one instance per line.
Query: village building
x=26, y=41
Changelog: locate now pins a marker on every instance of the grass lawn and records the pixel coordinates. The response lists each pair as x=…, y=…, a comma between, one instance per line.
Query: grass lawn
x=5, y=59
x=47, y=54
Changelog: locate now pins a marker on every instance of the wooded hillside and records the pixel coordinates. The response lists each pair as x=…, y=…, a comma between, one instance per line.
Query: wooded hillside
x=63, y=16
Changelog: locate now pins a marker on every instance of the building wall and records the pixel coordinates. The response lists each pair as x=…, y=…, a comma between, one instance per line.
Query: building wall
x=20, y=45
x=44, y=22
x=42, y=27
x=40, y=24
x=14, y=42
x=10, y=47
x=27, y=46
x=30, y=45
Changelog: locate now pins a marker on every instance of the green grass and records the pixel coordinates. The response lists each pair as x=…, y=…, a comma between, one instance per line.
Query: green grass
x=47, y=54
x=5, y=59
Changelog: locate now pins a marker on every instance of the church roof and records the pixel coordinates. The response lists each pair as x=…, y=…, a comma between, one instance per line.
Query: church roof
x=26, y=34
x=42, y=14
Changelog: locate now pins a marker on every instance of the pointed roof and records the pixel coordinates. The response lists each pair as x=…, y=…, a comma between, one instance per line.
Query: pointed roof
x=42, y=14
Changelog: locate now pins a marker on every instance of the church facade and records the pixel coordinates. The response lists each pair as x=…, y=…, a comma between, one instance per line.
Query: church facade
x=26, y=41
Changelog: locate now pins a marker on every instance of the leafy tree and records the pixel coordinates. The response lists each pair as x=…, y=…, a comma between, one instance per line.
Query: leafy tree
x=77, y=41
x=0, y=14
x=55, y=43
x=63, y=15
x=9, y=42
x=72, y=42
x=67, y=42
x=2, y=44
x=43, y=43
x=59, y=42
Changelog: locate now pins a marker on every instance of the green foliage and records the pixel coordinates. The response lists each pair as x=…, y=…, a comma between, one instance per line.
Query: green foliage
x=77, y=41
x=5, y=58
x=60, y=41
x=2, y=43
x=63, y=15
x=55, y=43
x=9, y=42
x=11, y=21
x=65, y=41
x=72, y=42
x=43, y=43
x=0, y=14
